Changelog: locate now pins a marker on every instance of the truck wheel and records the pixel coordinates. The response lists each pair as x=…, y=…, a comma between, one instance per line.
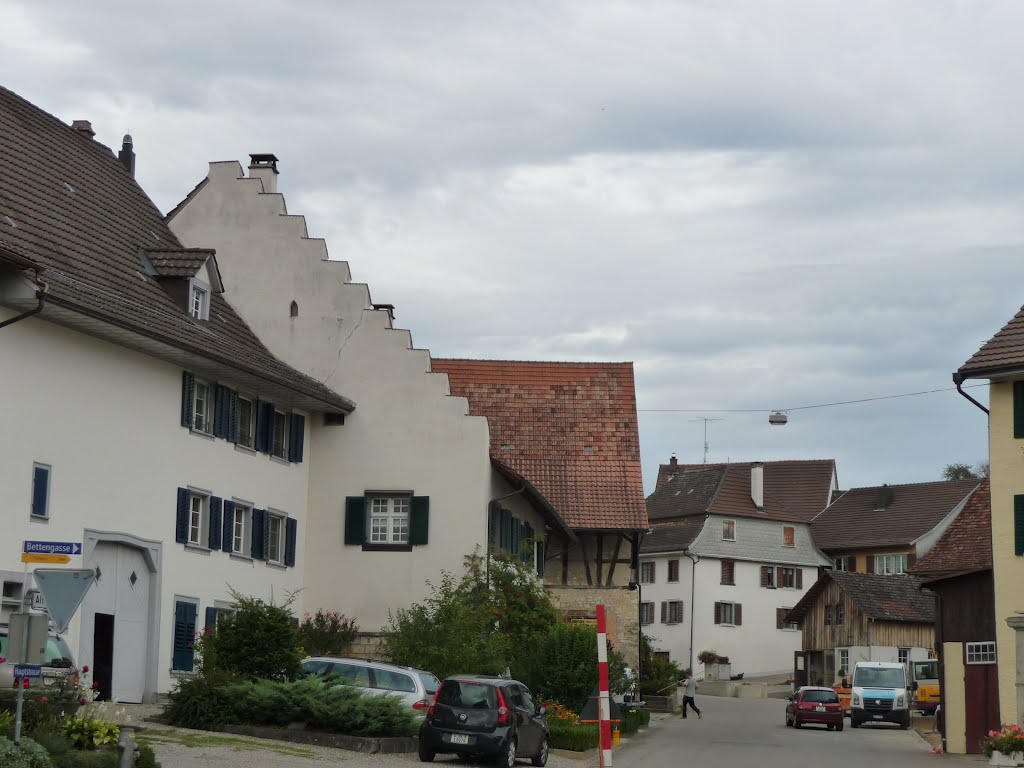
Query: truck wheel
x=854, y=722
x=905, y=723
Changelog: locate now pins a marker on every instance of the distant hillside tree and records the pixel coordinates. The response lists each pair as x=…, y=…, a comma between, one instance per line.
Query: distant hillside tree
x=965, y=471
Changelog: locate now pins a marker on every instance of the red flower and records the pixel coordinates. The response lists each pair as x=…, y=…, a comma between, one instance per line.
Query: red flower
x=43, y=698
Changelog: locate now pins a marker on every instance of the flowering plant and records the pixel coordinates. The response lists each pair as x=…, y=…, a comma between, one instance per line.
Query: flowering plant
x=559, y=714
x=326, y=633
x=1006, y=741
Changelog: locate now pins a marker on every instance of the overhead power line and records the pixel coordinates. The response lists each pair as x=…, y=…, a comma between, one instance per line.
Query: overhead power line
x=806, y=407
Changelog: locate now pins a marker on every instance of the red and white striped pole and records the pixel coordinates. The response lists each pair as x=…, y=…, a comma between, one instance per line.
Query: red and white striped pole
x=604, y=700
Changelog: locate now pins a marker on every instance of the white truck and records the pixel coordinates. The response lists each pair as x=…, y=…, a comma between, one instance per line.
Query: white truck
x=880, y=694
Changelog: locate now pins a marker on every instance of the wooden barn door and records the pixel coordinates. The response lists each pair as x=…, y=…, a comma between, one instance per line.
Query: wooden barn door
x=981, y=691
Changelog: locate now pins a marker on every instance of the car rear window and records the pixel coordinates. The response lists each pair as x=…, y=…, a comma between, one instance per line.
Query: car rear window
x=394, y=681
x=316, y=668
x=430, y=683
x=467, y=694
x=823, y=697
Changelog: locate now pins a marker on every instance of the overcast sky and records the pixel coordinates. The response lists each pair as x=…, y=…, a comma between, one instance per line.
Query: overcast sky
x=761, y=204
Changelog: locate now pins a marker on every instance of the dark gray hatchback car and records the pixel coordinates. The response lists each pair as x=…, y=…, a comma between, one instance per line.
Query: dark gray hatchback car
x=486, y=717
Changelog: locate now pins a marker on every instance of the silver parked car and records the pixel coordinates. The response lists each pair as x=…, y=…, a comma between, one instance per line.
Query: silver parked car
x=414, y=687
x=57, y=664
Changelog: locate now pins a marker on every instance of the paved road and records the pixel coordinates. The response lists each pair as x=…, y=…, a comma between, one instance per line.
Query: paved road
x=748, y=732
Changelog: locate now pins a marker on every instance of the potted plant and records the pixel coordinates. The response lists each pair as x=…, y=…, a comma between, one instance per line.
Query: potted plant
x=1005, y=746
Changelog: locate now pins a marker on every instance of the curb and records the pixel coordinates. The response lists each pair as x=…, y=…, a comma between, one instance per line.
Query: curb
x=367, y=745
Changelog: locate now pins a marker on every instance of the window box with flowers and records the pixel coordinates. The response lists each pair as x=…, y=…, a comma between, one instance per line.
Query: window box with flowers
x=1005, y=746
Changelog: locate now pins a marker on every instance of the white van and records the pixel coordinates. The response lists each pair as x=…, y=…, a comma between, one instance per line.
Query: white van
x=880, y=694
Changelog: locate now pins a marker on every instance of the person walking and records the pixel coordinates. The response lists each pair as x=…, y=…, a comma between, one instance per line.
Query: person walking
x=689, y=691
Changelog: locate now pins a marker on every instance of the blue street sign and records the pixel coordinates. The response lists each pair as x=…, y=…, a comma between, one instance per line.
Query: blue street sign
x=28, y=670
x=52, y=548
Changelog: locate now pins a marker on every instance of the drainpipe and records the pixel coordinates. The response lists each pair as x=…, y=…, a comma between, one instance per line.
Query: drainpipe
x=694, y=559
x=870, y=651
x=958, y=379
x=40, y=296
x=492, y=504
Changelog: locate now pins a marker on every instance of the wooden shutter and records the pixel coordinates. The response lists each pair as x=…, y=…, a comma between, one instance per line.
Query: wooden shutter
x=184, y=636
x=181, y=520
x=211, y=618
x=718, y=613
x=40, y=489
x=766, y=576
x=188, y=386
x=1018, y=409
x=291, y=528
x=355, y=519
x=911, y=559
x=296, y=437
x=1018, y=525
x=780, y=618
x=258, y=549
x=738, y=613
x=780, y=577
x=216, y=505
x=419, y=520
x=227, y=535
x=870, y=564
x=799, y=578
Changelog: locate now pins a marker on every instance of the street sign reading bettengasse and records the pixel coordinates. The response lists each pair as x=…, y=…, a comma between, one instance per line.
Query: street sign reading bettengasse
x=52, y=548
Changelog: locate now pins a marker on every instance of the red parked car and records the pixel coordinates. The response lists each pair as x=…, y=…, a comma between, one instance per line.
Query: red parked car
x=815, y=705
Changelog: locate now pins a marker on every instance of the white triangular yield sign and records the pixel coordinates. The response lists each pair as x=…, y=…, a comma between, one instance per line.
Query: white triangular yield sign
x=64, y=591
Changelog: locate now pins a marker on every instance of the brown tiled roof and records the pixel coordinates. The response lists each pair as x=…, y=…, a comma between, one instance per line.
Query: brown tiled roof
x=674, y=536
x=852, y=521
x=569, y=428
x=1003, y=352
x=76, y=211
x=793, y=490
x=966, y=546
x=177, y=262
x=883, y=598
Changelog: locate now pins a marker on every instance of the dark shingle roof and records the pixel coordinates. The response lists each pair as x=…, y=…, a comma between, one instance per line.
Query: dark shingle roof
x=883, y=598
x=177, y=262
x=1003, y=352
x=672, y=537
x=77, y=212
x=966, y=546
x=852, y=520
x=570, y=428
x=687, y=492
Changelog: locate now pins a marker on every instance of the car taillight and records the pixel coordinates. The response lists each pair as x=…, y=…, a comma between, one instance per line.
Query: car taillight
x=430, y=709
x=421, y=704
x=502, y=709
x=3, y=660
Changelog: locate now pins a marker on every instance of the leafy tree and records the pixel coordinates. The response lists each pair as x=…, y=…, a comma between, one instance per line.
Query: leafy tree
x=326, y=633
x=656, y=674
x=258, y=642
x=965, y=471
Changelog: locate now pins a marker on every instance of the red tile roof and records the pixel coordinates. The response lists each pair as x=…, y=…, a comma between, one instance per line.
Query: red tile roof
x=792, y=489
x=569, y=428
x=966, y=546
x=1003, y=352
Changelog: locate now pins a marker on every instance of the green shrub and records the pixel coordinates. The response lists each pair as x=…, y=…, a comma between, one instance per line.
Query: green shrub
x=90, y=732
x=43, y=705
x=576, y=738
x=326, y=633
x=147, y=758
x=54, y=742
x=634, y=719
x=30, y=755
x=258, y=642
x=658, y=677
x=201, y=702
x=77, y=758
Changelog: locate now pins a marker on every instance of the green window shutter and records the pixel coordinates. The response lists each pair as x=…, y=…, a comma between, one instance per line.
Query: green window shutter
x=355, y=519
x=494, y=526
x=528, y=538
x=419, y=520
x=540, y=558
x=1018, y=525
x=1018, y=409
x=505, y=544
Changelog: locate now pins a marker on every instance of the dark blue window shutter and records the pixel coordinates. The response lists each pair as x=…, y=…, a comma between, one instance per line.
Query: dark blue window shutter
x=233, y=416
x=40, y=490
x=187, y=389
x=291, y=533
x=419, y=520
x=495, y=526
x=184, y=636
x=264, y=427
x=1018, y=409
x=211, y=618
x=181, y=521
x=355, y=520
x=228, y=528
x=216, y=504
x=296, y=437
x=221, y=411
x=1018, y=525
x=258, y=550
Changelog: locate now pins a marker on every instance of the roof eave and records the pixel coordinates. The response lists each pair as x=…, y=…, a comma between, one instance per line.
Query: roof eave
x=540, y=501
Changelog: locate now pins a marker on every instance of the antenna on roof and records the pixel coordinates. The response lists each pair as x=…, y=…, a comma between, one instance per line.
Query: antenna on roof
x=705, y=419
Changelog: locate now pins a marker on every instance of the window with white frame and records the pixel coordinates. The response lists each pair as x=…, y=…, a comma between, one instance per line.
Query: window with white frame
x=675, y=612
x=729, y=530
x=202, y=407
x=280, y=446
x=890, y=565
x=789, y=625
x=241, y=531
x=788, y=578
x=389, y=520
x=199, y=300
x=275, y=537
x=768, y=577
x=843, y=660
x=198, y=518
x=903, y=656
x=728, y=613
x=246, y=421
x=981, y=653
x=840, y=614
x=647, y=573
x=844, y=563
x=646, y=613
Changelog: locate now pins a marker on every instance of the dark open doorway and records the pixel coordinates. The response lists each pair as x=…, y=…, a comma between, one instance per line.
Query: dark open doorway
x=103, y=655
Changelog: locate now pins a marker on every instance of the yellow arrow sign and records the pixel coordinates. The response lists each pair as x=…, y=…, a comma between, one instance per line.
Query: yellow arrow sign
x=44, y=558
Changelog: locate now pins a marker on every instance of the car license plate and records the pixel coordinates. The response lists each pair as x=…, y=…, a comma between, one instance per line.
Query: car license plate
x=877, y=717
x=819, y=708
x=459, y=738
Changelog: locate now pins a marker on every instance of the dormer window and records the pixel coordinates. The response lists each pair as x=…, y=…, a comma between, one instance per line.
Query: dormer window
x=199, y=301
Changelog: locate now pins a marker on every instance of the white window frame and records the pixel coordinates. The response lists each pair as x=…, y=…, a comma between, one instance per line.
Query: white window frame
x=843, y=563
x=903, y=656
x=387, y=519
x=891, y=565
x=840, y=615
x=243, y=515
x=646, y=613
x=790, y=626
x=771, y=578
x=207, y=425
x=731, y=620
x=787, y=572
x=843, y=659
x=198, y=299
x=198, y=534
x=980, y=653
x=675, y=612
x=278, y=518
x=280, y=451
x=251, y=426
x=648, y=571
x=728, y=525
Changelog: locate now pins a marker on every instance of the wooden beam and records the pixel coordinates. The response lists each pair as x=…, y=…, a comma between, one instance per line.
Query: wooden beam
x=586, y=560
x=565, y=561
x=615, y=559
x=600, y=557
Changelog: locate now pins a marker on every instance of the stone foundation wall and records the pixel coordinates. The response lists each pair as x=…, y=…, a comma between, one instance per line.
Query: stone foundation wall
x=369, y=645
x=621, y=607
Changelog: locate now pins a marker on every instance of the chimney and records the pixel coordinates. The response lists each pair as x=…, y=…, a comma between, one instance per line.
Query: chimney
x=673, y=461
x=757, y=485
x=84, y=127
x=127, y=154
x=883, y=498
x=264, y=167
